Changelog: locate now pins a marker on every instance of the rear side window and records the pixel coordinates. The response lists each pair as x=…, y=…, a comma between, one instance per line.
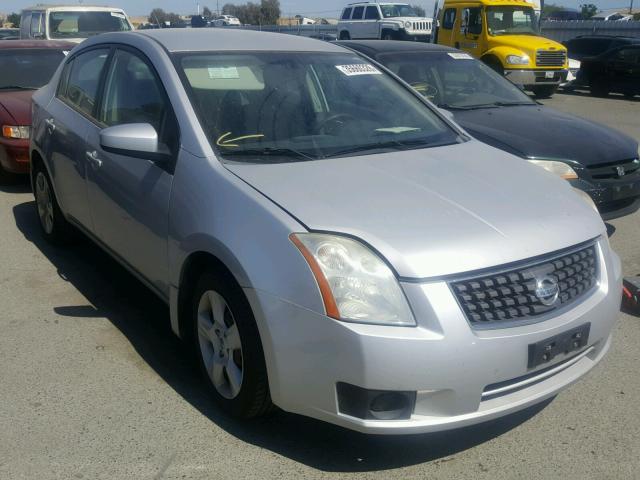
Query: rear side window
x=372, y=13
x=84, y=79
x=357, y=13
x=449, y=18
x=346, y=15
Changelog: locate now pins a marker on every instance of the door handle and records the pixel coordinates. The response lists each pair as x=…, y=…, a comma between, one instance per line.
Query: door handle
x=51, y=125
x=93, y=159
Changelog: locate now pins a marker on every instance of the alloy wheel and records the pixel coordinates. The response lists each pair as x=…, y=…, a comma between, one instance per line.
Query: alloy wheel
x=44, y=202
x=220, y=345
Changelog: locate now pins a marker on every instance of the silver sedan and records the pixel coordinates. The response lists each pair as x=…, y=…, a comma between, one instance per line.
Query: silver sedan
x=328, y=242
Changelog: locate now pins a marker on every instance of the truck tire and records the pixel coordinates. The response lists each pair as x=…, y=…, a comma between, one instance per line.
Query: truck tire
x=344, y=35
x=544, y=91
x=388, y=35
x=494, y=64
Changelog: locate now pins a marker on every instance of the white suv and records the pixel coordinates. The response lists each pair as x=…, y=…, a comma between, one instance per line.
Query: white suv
x=386, y=21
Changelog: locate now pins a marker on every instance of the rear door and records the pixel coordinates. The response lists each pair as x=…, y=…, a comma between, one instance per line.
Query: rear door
x=68, y=117
x=624, y=69
x=129, y=196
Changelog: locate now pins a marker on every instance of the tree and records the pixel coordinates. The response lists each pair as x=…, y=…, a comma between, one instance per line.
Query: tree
x=265, y=13
x=14, y=19
x=270, y=11
x=159, y=16
x=588, y=10
x=550, y=8
x=419, y=10
x=206, y=13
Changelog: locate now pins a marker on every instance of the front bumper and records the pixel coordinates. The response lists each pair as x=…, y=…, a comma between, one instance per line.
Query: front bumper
x=532, y=78
x=460, y=376
x=614, y=198
x=14, y=155
x=415, y=36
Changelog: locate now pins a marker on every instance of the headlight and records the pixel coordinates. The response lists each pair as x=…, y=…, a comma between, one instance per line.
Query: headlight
x=10, y=131
x=355, y=284
x=587, y=198
x=517, y=59
x=561, y=169
x=407, y=24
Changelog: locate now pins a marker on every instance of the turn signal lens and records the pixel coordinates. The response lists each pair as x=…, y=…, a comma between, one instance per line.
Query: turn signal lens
x=561, y=169
x=355, y=284
x=9, y=131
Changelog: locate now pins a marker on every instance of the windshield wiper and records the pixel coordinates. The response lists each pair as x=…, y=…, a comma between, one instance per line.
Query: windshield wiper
x=446, y=106
x=393, y=144
x=16, y=87
x=268, y=152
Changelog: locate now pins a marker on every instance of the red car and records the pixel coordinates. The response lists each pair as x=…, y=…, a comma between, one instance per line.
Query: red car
x=25, y=66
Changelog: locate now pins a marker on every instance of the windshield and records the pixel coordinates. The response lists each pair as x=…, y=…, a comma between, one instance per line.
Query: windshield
x=83, y=24
x=454, y=79
x=512, y=21
x=268, y=107
x=398, y=10
x=23, y=68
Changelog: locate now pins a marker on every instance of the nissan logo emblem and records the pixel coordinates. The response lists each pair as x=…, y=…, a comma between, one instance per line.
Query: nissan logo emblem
x=547, y=290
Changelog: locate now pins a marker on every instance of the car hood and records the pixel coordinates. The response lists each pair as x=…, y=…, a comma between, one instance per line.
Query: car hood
x=537, y=131
x=527, y=43
x=17, y=103
x=433, y=212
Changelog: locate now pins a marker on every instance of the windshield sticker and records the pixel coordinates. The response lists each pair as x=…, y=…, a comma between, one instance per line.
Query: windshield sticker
x=460, y=56
x=223, y=73
x=358, y=69
x=117, y=14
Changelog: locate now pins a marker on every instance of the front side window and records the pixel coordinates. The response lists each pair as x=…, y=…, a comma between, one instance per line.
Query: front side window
x=28, y=68
x=371, y=13
x=454, y=80
x=399, y=10
x=266, y=107
x=36, y=24
x=346, y=15
x=472, y=21
x=84, y=79
x=512, y=21
x=84, y=24
x=449, y=18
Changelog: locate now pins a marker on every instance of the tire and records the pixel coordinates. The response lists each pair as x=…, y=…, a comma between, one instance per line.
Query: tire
x=55, y=228
x=227, y=345
x=600, y=87
x=344, y=35
x=387, y=35
x=495, y=65
x=544, y=91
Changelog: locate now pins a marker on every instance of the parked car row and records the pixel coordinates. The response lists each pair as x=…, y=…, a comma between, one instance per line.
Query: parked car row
x=327, y=238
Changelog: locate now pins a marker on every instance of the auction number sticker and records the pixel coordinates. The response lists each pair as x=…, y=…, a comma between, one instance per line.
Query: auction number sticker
x=358, y=69
x=460, y=56
x=223, y=73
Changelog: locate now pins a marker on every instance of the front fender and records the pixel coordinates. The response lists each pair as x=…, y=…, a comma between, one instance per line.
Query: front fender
x=501, y=52
x=391, y=26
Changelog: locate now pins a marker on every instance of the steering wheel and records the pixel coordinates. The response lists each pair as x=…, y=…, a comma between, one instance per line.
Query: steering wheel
x=334, y=122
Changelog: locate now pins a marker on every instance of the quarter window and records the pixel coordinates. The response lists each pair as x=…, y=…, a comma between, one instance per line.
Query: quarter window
x=449, y=18
x=357, y=13
x=82, y=86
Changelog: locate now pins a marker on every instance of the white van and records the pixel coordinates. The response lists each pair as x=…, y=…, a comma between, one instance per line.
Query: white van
x=72, y=23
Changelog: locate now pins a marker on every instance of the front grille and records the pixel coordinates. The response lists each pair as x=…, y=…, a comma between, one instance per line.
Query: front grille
x=421, y=26
x=518, y=294
x=550, y=58
x=614, y=169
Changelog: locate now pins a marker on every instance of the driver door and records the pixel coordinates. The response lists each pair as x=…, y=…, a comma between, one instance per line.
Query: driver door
x=470, y=31
x=129, y=196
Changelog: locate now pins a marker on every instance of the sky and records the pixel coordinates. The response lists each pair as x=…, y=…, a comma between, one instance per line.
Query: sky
x=309, y=8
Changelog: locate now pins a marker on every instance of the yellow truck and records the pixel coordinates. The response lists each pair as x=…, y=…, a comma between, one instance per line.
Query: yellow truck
x=506, y=36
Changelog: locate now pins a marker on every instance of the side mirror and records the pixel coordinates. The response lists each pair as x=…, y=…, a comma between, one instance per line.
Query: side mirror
x=131, y=139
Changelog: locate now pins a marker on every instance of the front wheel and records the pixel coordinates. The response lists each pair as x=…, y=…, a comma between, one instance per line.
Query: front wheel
x=600, y=87
x=544, y=91
x=228, y=347
x=345, y=36
x=388, y=36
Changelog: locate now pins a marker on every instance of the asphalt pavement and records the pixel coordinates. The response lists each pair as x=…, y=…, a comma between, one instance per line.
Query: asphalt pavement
x=93, y=385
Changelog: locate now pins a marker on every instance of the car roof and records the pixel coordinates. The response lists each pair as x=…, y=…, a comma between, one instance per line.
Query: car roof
x=374, y=47
x=610, y=37
x=36, y=44
x=221, y=40
x=79, y=7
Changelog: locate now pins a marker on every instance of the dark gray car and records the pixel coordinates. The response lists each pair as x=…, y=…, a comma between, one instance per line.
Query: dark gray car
x=595, y=158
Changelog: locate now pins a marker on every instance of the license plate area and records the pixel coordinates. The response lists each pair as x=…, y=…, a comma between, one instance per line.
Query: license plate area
x=570, y=341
